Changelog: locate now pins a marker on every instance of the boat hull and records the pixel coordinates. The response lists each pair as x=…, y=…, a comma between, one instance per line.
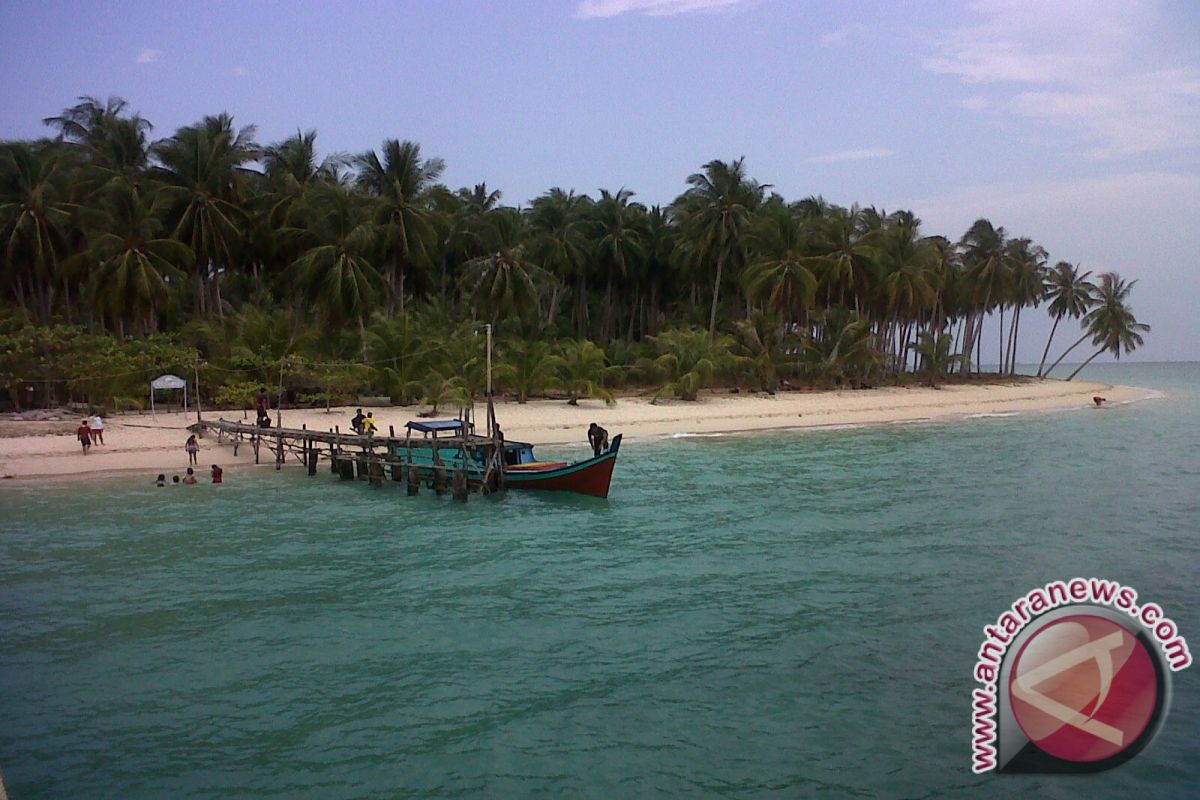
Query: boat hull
x=591, y=476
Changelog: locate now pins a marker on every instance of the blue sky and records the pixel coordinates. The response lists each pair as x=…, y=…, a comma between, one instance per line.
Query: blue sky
x=1074, y=123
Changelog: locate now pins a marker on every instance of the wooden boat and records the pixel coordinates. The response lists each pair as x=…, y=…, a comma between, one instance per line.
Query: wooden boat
x=451, y=445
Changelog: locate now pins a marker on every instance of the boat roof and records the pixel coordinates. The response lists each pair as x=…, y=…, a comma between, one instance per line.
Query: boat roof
x=435, y=425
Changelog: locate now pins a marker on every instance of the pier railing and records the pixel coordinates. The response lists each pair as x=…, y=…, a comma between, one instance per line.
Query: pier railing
x=458, y=464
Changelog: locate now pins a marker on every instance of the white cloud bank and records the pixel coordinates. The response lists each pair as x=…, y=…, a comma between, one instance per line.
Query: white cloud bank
x=603, y=9
x=1096, y=70
x=149, y=56
x=862, y=154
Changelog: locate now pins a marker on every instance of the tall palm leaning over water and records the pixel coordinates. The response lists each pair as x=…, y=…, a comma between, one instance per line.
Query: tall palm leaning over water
x=1111, y=323
x=718, y=212
x=1071, y=294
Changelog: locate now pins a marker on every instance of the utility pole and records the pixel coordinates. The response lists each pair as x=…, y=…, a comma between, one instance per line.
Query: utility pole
x=197, y=374
x=279, y=400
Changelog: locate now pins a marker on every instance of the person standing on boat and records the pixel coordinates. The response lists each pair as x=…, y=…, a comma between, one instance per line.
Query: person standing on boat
x=597, y=438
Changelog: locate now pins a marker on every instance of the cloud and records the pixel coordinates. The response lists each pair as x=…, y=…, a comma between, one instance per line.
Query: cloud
x=149, y=56
x=862, y=154
x=240, y=71
x=1095, y=71
x=603, y=9
x=832, y=38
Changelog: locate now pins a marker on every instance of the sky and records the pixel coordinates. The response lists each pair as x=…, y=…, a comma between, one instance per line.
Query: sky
x=1075, y=123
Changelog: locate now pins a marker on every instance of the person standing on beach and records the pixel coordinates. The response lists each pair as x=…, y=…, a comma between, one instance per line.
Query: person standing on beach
x=368, y=424
x=97, y=428
x=193, y=447
x=84, y=434
x=356, y=422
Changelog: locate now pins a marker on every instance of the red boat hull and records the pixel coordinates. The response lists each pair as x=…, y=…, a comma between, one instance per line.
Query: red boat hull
x=591, y=476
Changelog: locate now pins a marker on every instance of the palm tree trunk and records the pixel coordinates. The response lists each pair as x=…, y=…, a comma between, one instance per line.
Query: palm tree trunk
x=1012, y=340
x=1084, y=364
x=1078, y=342
x=712, y=317
x=1046, y=352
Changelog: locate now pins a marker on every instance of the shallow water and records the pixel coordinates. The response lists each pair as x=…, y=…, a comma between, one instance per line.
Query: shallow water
x=780, y=615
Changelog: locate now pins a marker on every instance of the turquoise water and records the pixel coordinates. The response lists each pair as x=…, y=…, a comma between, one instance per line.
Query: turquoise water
x=776, y=616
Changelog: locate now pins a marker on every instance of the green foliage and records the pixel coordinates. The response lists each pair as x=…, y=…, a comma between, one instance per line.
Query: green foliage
x=261, y=257
x=583, y=371
x=688, y=361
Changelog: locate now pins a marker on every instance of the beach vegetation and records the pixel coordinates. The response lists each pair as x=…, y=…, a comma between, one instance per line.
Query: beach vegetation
x=327, y=275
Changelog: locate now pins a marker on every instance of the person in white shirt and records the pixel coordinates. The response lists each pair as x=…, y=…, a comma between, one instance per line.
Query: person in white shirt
x=97, y=427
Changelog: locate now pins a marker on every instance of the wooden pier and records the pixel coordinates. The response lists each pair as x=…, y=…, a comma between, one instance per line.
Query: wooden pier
x=457, y=464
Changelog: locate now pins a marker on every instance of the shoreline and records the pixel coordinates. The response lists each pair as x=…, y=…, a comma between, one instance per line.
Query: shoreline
x=141, y=444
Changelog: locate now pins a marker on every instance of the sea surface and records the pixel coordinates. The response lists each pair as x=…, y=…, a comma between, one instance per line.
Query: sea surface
x=783, y=615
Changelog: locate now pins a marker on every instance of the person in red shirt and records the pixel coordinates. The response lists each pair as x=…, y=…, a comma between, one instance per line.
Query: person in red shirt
x=84, y=434
x=217, y=473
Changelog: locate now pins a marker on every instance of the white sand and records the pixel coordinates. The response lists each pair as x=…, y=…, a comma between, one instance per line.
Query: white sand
x=155, y=444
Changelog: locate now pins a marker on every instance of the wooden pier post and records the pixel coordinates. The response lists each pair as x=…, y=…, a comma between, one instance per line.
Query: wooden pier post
x=414, y=481
x=460, y=485
x=334, y=450
x=345, y=469
x=375, y=470
x=255, y=439
x=439, y=479
x=279, y=451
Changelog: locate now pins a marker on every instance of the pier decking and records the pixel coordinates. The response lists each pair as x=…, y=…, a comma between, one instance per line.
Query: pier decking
x=459, y=463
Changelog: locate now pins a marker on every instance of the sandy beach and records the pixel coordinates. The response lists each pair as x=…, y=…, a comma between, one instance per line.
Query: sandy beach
x=152, y=444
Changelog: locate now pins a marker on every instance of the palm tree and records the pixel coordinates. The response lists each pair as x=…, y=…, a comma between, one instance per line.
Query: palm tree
x=403, y=354
x=688, y=361
x=1027, y=286
x=399, y=183
x=502, y=283
x=559, y=243
x=782, y=277
x=528, y=367
x=583, y=371
x=618, y=246
x=769, y=349
x=203, y=166
x=982, y=249
x=936, y=358
x=850, y=260
x=1070, y=295
x=1111, y=323
x=35, y=223
x=115, y=144
x=336, y=273
x=718, y=211
x=137, y=263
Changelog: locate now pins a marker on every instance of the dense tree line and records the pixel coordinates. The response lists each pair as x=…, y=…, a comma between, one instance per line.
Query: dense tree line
x=251, y=263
